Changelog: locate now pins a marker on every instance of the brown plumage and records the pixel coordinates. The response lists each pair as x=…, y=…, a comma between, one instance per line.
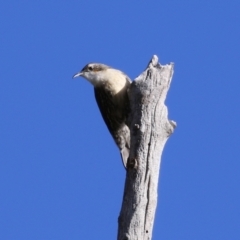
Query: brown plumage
x=110, y=88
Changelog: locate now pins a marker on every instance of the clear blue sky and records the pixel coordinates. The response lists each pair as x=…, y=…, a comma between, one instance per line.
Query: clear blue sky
x=61, y=175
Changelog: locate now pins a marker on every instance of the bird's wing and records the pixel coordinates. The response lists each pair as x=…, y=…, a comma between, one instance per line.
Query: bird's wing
x=114, y=112
x=107, y=108
x=115, y=122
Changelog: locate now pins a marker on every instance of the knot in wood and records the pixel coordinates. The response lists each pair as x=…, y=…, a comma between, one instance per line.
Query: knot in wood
x=136, y=126
x=132, y=163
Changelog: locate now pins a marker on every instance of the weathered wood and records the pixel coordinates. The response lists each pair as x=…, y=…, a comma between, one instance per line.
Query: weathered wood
x=150, y=129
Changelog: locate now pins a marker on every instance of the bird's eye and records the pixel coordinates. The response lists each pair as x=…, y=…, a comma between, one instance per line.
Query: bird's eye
x=90, y=68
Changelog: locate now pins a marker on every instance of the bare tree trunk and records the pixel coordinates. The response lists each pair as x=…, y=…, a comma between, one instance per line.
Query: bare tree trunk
x=150, y=129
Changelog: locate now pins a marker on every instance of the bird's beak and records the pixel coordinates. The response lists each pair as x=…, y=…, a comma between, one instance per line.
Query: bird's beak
x=77, y=75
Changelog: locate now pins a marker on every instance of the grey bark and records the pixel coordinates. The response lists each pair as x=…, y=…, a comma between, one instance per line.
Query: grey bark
x=150, y=129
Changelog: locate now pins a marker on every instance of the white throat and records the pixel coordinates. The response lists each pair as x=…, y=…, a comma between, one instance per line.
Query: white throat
x=112, y=77
x=94, y=78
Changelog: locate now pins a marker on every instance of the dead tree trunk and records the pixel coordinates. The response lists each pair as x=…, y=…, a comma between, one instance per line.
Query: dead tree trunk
x=150, y=129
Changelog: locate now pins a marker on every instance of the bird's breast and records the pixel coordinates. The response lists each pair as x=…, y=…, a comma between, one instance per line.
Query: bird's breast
x=115, y=81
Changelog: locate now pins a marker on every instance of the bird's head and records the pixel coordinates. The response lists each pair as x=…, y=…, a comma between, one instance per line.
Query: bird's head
x=93, y=72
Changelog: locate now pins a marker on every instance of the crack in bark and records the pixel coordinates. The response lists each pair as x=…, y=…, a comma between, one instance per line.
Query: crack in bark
x=147, y=204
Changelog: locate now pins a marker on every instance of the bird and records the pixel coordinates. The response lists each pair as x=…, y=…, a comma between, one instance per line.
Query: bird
x=111, y=94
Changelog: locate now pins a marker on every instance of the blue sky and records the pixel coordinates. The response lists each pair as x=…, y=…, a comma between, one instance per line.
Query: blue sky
x=61, y=175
